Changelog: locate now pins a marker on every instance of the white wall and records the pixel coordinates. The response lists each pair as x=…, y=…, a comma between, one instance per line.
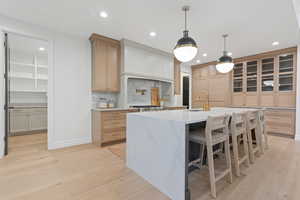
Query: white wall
x=297, y=136
x=69, y=96
x=2, y=94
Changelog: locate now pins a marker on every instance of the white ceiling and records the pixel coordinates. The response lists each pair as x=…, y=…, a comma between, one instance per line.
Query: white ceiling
x=27, y=45
x=252, y=25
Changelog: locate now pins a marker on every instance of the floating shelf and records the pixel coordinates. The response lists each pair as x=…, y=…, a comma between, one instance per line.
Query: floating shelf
x=30, y=65
x=28, y=91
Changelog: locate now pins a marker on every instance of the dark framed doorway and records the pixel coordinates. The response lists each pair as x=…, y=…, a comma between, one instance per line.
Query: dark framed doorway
x=186, y=91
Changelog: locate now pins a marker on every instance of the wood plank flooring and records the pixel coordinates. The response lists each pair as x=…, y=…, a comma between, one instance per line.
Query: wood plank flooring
x=87, y=172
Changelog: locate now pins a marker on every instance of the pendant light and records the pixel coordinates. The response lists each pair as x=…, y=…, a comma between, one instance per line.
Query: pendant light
x=225, y=64
x=186, y=47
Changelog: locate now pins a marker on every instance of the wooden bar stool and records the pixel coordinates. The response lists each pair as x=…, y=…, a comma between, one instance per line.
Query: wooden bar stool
x=216, y=132
x=252, y=118
x=262, y=129
x=238, y=129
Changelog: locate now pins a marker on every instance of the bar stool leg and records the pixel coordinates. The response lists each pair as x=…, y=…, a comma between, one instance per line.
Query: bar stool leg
x=235, y=155
x=250, y=145
x=246, y=150
x=258, y=138
x=210, y=158
x=228, y=159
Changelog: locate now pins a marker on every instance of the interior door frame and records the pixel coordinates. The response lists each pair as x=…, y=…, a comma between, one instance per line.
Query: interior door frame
x=50, y=92
x=6, y=93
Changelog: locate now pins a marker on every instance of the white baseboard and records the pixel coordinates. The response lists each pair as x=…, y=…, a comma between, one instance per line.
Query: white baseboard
x=69, y=143
x=297, y=137
x=2, y=148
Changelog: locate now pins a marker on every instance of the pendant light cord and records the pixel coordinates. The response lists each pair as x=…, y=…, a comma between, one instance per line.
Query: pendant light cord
x=185, y=20
x=225, y=36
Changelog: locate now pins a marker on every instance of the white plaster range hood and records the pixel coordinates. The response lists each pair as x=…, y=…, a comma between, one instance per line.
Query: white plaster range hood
x=141, y=61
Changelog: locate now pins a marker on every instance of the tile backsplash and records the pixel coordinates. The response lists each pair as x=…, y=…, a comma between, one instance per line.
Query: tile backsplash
x=139, y=90
x=104, y=97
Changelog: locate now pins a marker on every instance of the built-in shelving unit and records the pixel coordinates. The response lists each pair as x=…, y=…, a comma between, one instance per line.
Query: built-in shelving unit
x=28, y=72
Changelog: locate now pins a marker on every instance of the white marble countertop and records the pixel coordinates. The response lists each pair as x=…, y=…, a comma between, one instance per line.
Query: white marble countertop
x=190, y=116
x=267, y=108
x=112, y=109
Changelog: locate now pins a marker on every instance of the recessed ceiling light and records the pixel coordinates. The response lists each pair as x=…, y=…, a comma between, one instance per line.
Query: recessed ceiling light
x=152, y=34
x=42, y=49
x=197, y=61
x=103, y=14
x=205, y=54
x=275, y=43
x=229, y=54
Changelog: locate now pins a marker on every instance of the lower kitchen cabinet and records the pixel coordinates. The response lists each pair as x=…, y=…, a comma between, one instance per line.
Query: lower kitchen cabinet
x=281, y=122
x=27, y=119
x=109, y=126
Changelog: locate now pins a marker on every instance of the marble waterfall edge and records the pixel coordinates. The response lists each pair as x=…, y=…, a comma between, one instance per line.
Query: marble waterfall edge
x=156, y=152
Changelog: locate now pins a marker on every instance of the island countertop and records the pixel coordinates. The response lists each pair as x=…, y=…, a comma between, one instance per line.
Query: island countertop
x=190, y=116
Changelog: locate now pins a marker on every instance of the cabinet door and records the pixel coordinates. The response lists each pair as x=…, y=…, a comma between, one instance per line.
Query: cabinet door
x=19, y=120
x=218, y=90
x=113, y=73
x=38, y=119
x=99, y=65
x=177, y=77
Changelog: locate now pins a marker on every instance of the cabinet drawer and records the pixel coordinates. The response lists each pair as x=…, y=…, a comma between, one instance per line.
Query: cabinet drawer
x=113, y=134
x=113, y=115
x=280, y=121
x=117, y=123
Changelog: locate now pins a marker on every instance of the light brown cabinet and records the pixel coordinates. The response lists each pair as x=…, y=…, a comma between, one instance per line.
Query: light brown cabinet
x=208, y=85
x=177, y=77
x=105, y=64
x=280, y=122
x=109, y=126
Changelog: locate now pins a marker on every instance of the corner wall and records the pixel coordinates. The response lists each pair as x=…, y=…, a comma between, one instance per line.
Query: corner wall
x=297, y=135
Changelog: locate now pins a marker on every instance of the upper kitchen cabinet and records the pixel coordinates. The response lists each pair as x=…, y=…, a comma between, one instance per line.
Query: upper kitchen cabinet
x=209, y=86
x=177, y=77
x=266, y=79
x=105, y=64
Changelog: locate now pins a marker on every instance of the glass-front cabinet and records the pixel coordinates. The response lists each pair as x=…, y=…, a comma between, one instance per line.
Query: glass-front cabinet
x=265, y=80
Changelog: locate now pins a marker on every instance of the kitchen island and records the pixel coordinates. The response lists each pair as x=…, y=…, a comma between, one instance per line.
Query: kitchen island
x=158, y=146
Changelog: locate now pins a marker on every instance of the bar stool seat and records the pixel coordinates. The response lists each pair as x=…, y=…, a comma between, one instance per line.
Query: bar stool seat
x=199, y=137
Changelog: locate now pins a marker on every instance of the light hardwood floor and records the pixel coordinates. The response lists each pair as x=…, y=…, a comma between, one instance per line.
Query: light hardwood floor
x=87, y=172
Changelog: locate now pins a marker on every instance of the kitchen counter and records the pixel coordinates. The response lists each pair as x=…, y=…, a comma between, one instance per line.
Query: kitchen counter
x=112, y=109
x=189, y=116
x=267, y=108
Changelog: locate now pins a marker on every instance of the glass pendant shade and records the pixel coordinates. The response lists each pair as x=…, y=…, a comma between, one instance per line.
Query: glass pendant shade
x=186, y=48
x=225, y=64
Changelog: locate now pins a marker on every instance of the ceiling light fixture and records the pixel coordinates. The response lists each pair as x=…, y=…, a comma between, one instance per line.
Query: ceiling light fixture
x=152, y=34
x=41, y=49
x=205, y=54
x=225, y=64
x=186, y=47
x=103, y=14
x=275, y=43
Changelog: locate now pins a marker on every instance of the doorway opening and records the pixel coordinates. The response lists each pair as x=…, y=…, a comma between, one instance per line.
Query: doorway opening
x=186, y=90
x=26, y=85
